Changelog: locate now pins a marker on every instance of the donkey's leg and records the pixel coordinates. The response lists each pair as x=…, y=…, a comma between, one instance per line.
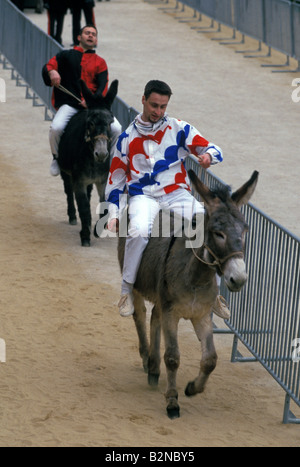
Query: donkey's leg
x=68, y=187
x=101, y=185
x=204, y=331
x=89, y=192
x=154, y=356
x=84, y=210
x=172, y=361
x=140, y=324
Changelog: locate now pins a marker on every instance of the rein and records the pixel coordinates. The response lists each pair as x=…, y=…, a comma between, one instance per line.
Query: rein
x=61, y=88
x=217, y=261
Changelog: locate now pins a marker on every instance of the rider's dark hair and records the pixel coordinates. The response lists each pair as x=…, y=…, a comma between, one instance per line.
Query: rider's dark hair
x=87, y=26
x=159, y=87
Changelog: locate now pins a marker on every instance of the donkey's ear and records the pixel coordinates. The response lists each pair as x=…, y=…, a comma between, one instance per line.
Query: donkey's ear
x=208, y=197
x=202, y=189
x=87, y=94
x=111, y=93
x=243, y=194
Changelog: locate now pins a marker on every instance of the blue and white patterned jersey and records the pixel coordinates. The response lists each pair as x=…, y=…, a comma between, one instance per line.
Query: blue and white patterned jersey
x=151, y=160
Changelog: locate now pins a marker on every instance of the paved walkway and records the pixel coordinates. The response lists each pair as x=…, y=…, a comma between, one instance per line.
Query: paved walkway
x=233, y=101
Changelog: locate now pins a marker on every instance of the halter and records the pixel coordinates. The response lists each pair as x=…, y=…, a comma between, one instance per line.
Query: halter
x=88, y=139
x=218, y=262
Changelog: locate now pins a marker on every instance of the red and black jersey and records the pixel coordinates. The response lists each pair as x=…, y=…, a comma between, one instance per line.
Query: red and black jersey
x=74, y=65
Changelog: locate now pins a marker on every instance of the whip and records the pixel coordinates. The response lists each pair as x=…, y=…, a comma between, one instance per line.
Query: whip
x=61, y=88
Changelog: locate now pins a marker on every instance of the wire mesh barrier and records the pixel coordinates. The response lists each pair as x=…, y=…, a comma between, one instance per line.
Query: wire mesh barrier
x=265, y=315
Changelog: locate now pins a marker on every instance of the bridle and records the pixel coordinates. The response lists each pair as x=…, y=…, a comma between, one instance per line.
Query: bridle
x=88, y=139
x=218, y=262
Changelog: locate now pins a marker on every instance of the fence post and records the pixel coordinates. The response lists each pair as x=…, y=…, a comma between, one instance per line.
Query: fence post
x=288, y=416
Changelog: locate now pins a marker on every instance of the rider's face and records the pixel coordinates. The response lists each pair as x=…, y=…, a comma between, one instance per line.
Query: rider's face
x=88, y=38
x=154, y=107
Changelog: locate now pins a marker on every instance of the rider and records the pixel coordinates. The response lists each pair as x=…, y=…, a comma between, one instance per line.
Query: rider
x=66, y=69
x=149, y=162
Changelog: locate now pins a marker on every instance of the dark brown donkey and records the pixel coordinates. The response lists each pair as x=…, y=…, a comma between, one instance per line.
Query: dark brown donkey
x=181, y=283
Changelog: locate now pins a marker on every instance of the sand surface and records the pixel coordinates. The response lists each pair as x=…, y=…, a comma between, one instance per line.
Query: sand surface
x=73, y=376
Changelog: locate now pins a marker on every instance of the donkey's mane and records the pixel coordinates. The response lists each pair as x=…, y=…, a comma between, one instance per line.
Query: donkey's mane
x=222, y=192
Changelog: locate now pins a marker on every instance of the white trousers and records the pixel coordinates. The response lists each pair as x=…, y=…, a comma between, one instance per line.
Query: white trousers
x=62, y=118
x=143, y=210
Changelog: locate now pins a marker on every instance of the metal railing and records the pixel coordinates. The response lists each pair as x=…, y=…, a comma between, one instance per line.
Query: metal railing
x=275, y=23
x=26, y=49
x=265, y=315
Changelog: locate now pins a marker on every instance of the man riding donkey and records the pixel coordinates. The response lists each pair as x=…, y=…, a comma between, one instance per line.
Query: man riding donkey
x=64, y=72
x=149, y=163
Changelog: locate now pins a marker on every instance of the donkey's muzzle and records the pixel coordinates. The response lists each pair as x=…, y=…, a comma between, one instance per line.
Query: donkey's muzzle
x=101, y=148
x=235, y=274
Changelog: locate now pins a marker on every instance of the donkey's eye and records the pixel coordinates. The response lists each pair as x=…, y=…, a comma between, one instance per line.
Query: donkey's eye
x=220, y=235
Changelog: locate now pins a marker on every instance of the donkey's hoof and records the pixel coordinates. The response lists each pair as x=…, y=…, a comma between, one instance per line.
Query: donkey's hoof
x=153, y=380
x=190, y=389
x=85, y=243
x=73, y=221
x=173, y=412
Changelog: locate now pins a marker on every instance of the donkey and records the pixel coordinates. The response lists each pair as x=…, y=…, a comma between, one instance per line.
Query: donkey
x=84, y=152
x=181, y=283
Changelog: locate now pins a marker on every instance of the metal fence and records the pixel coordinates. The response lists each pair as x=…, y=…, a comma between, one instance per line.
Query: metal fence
x=26, y=49
x=273, y=22
x=265, y=315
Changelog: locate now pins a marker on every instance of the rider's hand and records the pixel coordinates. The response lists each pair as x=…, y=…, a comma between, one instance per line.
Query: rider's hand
x=55, y=78
x=113, y=225
x=204, y=160
x=83, y=104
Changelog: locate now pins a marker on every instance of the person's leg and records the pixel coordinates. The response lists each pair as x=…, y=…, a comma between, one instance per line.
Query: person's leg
x=116, y=130
x=58, y=125
x=76, y=18
x=51, y=24
x=88, y=10
x=59, y=26
x=142, y=212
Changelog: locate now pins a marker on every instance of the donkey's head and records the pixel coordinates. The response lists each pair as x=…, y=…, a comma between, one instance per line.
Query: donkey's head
x=225, y=229
x=99, y=120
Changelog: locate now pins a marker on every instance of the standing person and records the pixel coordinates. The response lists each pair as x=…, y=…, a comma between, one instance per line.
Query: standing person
x=57, y=10
x=149, y=163
x=77, y=6
x=66, y=69
x=19, y=3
